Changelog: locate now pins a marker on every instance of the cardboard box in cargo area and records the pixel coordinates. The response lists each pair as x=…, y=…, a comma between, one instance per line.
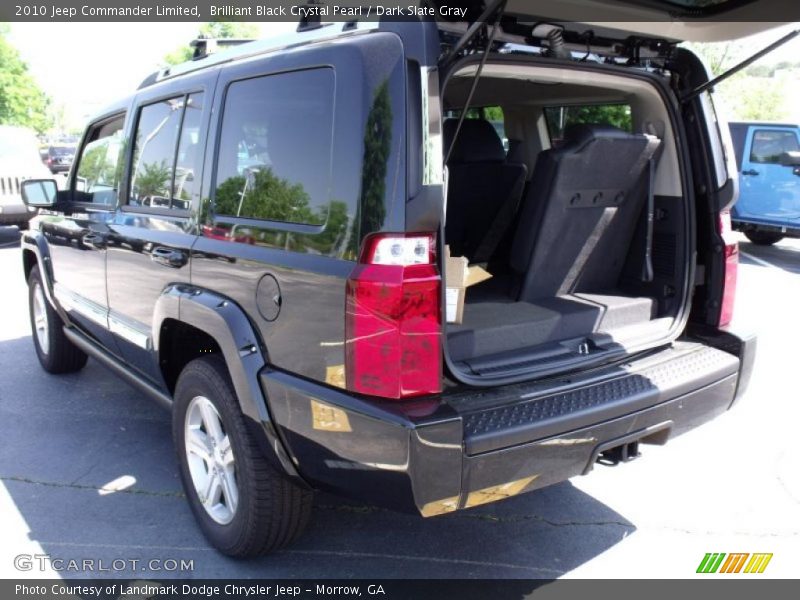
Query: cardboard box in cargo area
x=460, y=275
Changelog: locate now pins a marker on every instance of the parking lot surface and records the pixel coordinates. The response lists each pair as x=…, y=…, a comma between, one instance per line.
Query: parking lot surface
x=87, y=472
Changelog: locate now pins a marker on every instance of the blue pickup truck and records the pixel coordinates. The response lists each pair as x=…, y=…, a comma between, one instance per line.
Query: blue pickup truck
x=768, y=158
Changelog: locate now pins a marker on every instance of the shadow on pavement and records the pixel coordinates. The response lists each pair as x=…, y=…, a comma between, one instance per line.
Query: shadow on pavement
x=68, y=439
x=782, y=256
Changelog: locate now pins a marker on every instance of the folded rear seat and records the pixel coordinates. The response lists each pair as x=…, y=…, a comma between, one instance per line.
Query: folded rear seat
x=572, y=237
x=580, y=214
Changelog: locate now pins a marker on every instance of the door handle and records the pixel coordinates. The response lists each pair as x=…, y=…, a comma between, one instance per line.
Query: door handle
x=168, y=257
x=95, y=240
x=750, y=172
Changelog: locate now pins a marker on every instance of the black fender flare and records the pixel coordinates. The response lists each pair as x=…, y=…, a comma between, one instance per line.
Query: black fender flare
x=35, y=242
x=242, y=350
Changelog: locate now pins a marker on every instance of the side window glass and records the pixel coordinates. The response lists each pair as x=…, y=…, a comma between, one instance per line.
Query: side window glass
x=153, y=165
x=189, y=158
x=274, y=159
x=100, y=164
x=559, y=118
x=769, y=144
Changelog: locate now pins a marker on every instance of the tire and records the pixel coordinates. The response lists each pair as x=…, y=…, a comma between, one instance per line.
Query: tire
x=262, y=510
x=23, y=225
x=763, y=238
x=55, y=352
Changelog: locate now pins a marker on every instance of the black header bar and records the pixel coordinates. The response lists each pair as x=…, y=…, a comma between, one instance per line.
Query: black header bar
x=373, y=10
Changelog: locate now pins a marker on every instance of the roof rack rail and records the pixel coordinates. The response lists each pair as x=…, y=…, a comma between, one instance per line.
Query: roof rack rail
x=311, y=19
x=201, y=48
x=205, y=46
x=222, y=50
x=149, y=80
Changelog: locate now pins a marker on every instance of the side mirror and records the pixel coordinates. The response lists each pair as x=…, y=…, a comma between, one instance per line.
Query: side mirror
x=39, y=193
x=790, y=159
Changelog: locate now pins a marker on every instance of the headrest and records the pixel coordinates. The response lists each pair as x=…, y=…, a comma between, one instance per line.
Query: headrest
x=477, y=141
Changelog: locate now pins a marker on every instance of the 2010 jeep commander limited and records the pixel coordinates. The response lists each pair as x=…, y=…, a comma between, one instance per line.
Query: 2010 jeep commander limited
x=276, y=242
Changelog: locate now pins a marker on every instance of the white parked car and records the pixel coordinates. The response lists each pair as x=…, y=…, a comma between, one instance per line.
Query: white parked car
x=19, y=160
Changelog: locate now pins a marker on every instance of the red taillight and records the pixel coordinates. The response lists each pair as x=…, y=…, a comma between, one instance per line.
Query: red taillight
x=393, y=318
x=731, y=269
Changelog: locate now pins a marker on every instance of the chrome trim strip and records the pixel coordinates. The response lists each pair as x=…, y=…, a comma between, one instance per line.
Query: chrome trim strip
x=71, y=301
x=102, y=316
x=129, y=331
x=431, y=127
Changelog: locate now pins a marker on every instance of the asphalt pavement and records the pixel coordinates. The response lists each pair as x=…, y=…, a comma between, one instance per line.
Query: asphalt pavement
x=87, y=472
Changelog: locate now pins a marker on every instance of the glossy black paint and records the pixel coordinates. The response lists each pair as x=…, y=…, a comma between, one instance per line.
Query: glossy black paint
x=148, y=248
x=742, y=344
x=241, y=348
x=310, y=264
x=35, y=252
x=77, y=248
x=711, y=198
x=146, y=268
x=459, y=450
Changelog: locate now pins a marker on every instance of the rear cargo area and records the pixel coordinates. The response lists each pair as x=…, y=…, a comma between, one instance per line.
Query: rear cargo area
x=565, y=187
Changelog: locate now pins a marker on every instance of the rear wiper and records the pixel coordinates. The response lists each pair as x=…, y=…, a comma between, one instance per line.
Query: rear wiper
x=692, y=94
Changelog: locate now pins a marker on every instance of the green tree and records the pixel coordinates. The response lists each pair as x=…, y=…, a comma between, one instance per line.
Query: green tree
x=153, y=180
x=719, y=57
x=754, y=98
x=493, y=113
x=22, y=102
x=213, y=30
x=760, y=71
x=263, y=195
x=95, y=166
x=377, y=146
x=336, y=220
x=755, y=94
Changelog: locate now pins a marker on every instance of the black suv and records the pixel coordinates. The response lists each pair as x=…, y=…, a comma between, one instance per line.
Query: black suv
x=282, y=244
x=59, y=158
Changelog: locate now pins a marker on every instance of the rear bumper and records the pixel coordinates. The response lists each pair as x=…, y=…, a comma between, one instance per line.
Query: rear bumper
x=478, y=446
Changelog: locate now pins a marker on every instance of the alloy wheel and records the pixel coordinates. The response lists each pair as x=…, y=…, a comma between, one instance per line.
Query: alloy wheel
x=211, y=462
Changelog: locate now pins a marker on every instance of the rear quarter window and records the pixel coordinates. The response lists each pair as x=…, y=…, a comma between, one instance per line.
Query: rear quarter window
x=274, y=159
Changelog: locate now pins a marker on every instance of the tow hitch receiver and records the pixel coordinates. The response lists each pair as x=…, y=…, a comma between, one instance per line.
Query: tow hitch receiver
x=626, y=448
x=617, y=454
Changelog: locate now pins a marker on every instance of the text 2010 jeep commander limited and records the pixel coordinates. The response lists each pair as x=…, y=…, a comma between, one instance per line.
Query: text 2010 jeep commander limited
x=273, y=241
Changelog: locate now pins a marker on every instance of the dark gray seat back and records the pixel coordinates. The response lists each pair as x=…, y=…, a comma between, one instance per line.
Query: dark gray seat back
x=581, y=211
x=480, y=183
